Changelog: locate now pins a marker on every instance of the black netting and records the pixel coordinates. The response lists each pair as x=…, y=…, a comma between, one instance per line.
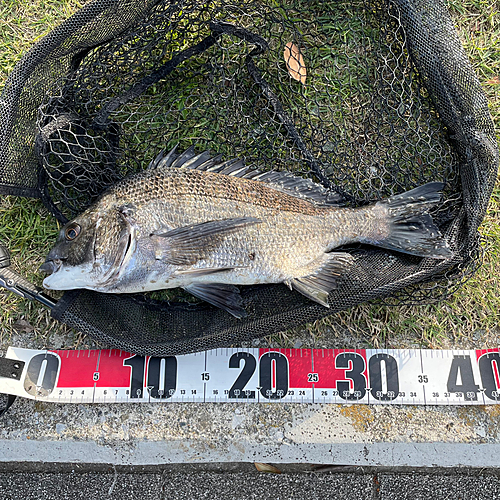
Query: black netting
x=390, y=102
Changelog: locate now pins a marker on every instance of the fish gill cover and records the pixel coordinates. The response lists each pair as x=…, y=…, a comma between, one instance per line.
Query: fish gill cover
x=369, y=98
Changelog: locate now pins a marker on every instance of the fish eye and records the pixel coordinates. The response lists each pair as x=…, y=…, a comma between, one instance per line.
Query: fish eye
x=72, y=231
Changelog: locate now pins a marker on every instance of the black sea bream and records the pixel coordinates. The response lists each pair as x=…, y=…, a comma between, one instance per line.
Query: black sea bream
x=194, y=222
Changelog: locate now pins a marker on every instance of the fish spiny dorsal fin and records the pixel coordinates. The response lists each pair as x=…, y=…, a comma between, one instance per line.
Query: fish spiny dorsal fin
x=163, y=160
x=285, y=182
x=199, y=159
x=183, y=158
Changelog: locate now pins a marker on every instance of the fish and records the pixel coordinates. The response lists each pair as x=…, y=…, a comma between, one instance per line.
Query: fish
x=208, y=226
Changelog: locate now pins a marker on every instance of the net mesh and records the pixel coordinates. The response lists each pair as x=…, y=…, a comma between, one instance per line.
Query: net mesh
x=386, y=102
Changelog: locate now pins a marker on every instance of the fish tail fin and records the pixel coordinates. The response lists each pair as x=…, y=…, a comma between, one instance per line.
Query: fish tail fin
x=410, y=228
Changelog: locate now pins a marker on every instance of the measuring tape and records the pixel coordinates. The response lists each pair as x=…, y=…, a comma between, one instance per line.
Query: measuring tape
x=366, y=376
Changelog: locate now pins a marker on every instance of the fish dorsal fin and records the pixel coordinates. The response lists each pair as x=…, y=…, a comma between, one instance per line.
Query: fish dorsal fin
x=285, y=182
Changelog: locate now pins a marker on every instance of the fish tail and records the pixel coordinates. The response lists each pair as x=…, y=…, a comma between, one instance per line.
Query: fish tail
x=408, y=226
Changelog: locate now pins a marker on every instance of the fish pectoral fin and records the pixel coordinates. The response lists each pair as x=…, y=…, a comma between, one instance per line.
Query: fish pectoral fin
x=226, y=297
x=188, y=244
x=202, y=271
x=317, y=285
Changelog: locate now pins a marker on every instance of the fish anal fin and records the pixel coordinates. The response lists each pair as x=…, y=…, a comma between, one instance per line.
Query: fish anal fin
x=318, y=284
x=221, y=295
x=188, y=244
x=310, y=291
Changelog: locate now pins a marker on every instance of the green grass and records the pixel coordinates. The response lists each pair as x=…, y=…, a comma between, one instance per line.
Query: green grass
x=24, y=23
x=470, y=317
x=25, y=225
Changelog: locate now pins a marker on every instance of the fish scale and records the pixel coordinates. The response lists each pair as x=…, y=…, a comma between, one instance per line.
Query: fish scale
x=279, y=231
x=272, y=240
x=195, y=222
x=150, y=184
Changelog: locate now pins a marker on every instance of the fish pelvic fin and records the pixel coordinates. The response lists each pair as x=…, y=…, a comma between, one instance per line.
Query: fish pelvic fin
x=221, y=295
x=410, y=229
x=316, y=286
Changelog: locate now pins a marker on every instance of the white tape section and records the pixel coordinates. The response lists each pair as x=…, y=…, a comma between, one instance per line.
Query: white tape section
x=365, y=376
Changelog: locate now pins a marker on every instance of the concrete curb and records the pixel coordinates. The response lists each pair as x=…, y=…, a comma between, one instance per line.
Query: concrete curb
x=144, y=454
x=152, y=434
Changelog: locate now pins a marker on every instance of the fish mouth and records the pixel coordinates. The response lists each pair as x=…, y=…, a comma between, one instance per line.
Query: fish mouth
x=51, y=266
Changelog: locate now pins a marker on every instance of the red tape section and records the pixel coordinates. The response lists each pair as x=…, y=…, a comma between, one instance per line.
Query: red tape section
x=261, y=375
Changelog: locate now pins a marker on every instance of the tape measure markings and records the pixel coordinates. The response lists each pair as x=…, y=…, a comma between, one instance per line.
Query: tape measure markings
x=371, y=376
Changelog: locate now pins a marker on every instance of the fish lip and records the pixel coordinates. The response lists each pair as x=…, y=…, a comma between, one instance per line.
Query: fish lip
x=51, y=266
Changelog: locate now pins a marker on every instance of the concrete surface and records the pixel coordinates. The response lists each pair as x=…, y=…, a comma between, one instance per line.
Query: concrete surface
x=234, y=433
x=163, y=433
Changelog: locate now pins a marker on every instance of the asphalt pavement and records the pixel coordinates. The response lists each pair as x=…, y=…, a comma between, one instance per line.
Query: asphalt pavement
x=242, y=482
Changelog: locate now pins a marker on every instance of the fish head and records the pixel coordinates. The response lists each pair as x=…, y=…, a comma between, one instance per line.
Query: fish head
x=90, y=251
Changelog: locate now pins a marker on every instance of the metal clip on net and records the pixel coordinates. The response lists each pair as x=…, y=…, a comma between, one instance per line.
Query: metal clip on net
x=15, y=283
